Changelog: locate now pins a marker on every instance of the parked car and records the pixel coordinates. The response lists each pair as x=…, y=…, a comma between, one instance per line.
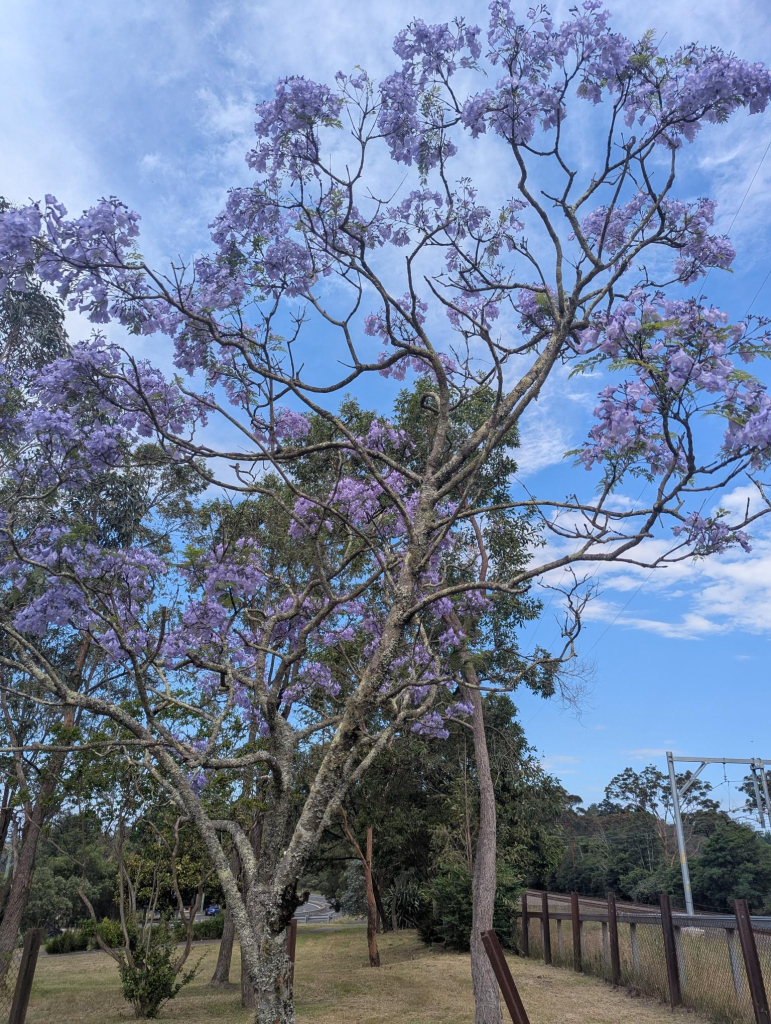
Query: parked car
x=211, y=911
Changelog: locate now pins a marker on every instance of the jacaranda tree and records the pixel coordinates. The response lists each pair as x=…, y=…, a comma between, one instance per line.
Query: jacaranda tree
x=364, y=252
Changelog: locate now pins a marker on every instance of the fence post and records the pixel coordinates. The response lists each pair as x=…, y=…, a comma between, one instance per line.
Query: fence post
x=751, y=962
x=26, y=974
x=735, y=961
x=545, y=927
x=673, y=978
x=291, y=945
x=615, y=953
x=525, y=926
x=560, y=939
x=505, y=980
x=575, y=914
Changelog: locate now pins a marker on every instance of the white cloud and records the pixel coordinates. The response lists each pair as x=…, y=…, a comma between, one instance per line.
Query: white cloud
x=643, y=753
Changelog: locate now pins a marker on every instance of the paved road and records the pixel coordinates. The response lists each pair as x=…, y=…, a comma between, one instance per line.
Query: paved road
x=317, y=904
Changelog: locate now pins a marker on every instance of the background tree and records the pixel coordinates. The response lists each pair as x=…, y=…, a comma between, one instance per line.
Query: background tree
x=457, y=292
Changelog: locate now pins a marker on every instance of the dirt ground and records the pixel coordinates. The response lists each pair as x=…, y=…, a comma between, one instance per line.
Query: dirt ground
x=335, y=985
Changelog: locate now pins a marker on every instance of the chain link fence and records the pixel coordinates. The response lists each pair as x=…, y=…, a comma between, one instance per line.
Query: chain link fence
x=9, y=973
x=707, y=970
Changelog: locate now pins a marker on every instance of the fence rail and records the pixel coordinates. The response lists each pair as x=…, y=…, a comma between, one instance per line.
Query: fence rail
x=714, y=963
x=316, y=918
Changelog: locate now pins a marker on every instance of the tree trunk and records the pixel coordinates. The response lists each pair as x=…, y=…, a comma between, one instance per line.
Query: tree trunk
x=374, y=953
x=248, y=995
x=266, y=988
x=20, y=886
x=382, y=916
x=221, y=974
x=486, y=996
x=271, y=995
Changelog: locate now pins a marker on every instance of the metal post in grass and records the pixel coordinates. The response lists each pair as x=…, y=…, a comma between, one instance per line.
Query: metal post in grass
x=26, y=973
x=670, y=952
x=525, y=926
x=752, y=962
x=615, y=952
x=545, y=928
x=575, y=914
x=291, y=945
x=503, y=975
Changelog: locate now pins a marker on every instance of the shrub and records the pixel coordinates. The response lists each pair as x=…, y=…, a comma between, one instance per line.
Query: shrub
x=353, y=899
x=211, y=928
x=68, y=942
x=445, y=910
x=84, y=937
x=406, y=903
x=111, y=934
x=151, y=980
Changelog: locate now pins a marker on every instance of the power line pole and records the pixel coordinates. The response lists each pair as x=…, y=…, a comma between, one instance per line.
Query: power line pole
x=680, y=837
x=764, y=780
x=755, y=764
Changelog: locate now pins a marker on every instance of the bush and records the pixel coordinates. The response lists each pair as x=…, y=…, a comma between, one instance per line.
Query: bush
x=68, y=942
x=111, y=934
x=406, y=903
x=151, y=980
x=84, y=937
x=353, y=899
x=445, y=910
x=211, y=928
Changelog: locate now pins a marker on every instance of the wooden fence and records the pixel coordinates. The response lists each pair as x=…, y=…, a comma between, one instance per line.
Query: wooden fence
x=715, y=963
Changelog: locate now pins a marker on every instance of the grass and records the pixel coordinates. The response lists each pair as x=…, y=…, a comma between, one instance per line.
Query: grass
x=335, y=985
x=706, y=981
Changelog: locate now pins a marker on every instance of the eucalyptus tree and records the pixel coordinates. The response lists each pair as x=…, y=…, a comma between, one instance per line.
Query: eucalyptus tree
x=363, y=224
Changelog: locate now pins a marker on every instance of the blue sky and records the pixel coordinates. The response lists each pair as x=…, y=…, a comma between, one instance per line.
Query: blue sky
x=153, y=102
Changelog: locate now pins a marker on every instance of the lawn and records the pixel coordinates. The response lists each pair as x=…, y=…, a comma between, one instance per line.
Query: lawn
x=334, y=985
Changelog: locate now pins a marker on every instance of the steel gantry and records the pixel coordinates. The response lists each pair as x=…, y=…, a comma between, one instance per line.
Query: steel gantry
x=757, y=768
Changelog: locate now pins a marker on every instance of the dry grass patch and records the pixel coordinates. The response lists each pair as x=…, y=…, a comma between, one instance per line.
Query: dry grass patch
x=335, y=985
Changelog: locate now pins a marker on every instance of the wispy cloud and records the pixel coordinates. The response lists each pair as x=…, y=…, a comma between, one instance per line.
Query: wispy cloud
x=643, y=753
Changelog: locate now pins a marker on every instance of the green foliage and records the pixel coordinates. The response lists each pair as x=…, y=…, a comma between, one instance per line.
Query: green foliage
x=70, y=941
x=421, y=799
x=353, y=898
x=151, y=980
x=72, y=855
x=627, y=844
x=446, y=911
x=84, y=936
x=210, y=928
x=405, y=903
x=735, y=863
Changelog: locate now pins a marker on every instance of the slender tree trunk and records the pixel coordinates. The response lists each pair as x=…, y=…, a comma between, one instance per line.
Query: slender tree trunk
x=374, y=953
x=486, y=996
x=221, y=974
x=19, y=892
x=487, y=1000
x=372, y=912
x=383, y=925
x=24, y=867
